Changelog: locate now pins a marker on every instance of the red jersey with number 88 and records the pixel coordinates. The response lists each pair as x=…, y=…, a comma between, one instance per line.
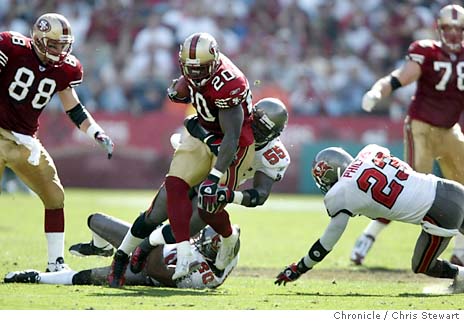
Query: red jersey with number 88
x=26, y=85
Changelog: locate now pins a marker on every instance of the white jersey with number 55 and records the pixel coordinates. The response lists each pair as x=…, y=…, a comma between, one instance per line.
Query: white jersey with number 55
x=273, y=160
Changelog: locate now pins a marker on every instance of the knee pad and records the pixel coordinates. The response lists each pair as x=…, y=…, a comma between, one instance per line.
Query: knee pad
x=140, y=228
x=82, y=278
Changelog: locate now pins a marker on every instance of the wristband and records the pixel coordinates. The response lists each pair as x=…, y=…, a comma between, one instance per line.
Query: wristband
x=93, y=129
x=215, y=172
x=238, y=197
x=301, y=266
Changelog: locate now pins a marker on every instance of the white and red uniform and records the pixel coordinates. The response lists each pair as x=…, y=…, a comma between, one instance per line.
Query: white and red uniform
x=272, y=160
x=377, y=185
x=202, y=278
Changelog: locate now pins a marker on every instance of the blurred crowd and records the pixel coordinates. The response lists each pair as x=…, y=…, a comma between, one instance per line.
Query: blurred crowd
x=323, y=53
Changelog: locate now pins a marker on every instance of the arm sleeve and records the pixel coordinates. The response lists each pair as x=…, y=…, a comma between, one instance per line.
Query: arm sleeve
x=334, y=230
x=331, y=235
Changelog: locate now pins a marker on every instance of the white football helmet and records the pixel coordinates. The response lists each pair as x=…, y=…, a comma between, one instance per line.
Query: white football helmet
x=450, y=25
x=52, y=38
x=199, y=58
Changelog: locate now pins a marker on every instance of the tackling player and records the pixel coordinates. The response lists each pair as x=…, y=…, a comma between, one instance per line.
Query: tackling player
x=160, y=263
x=358, y=186
x=270, y=163
x=431, y=128
x=31, y=72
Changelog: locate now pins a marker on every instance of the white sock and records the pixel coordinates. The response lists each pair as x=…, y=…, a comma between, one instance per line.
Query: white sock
x=100, y=242
x=184, y=249
x=63, y=277
x=55, y=243
x=374, y=228
x=156, y=237
x=129, y=243
x=459, y=245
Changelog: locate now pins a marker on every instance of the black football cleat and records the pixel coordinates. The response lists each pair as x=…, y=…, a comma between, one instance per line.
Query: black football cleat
x=28, y=276
x=89, y=249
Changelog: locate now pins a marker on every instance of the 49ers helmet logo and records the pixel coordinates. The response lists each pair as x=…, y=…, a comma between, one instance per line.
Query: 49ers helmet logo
x=44, y=25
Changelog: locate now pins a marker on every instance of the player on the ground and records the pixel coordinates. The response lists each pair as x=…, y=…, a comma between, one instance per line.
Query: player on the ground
x=31, y=72
x=431, y=128
x=160, y=262
x=269, y=166
x=376, y=184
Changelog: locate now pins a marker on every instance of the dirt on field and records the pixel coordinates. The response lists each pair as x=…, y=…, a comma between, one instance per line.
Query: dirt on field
x=353, y=274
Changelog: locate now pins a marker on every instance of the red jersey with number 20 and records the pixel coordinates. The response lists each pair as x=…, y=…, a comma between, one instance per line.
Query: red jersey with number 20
x=228, y=87
x=26, y=85
x=377, y=185
x=439, y=95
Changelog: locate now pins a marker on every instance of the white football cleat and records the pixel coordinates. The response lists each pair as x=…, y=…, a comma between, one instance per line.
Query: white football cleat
x=458, y=284
x=361, y=248
x=57, y=266
x=186, y=261
x=226, y=252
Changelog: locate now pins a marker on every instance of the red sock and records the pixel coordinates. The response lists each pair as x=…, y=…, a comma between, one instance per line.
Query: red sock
x=179, y=207
x=54, y=220
x=219, y=221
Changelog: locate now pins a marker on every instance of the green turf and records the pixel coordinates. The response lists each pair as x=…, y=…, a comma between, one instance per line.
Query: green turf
x=272, y=236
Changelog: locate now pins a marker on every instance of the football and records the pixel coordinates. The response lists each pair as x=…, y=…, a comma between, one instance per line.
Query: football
x=181, y=87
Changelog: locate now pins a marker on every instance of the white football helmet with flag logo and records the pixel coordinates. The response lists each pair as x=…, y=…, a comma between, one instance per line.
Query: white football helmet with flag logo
x=52, y=38
x=450, y=25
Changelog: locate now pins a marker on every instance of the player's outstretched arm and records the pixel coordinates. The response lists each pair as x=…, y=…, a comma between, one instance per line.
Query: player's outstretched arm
x=84, y=121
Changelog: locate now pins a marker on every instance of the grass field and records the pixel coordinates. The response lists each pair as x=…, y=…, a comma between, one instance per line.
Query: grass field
x=272, y=236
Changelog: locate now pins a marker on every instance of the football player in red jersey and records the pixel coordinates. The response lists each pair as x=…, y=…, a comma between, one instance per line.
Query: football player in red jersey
x=221, y=96
x=431, y=128
x=31, y=72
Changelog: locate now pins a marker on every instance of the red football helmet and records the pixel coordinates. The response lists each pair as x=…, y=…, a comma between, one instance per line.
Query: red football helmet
x=52, y=38
x=450, y=25
x=199, y=58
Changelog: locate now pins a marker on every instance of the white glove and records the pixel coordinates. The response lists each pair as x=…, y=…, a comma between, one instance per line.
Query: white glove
x=370, y=99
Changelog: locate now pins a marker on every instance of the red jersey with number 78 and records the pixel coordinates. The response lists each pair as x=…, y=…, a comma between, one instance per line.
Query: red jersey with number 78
x=439, y=94
x=26, y=85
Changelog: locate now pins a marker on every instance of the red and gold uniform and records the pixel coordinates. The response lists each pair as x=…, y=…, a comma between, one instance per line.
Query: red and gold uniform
x=26, y=86
x=432, y=131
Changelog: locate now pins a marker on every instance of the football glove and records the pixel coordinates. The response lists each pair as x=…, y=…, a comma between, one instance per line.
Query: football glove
x=291, y=273
x=208, y=194
x=172, y=93
x=370, y=99
x=105, y=142
x=197, y=131
x=224, y=195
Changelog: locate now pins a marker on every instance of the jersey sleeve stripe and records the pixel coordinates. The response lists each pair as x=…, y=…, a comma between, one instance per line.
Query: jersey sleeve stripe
x=417, y=58
x=3, y=58
x=75, y=83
